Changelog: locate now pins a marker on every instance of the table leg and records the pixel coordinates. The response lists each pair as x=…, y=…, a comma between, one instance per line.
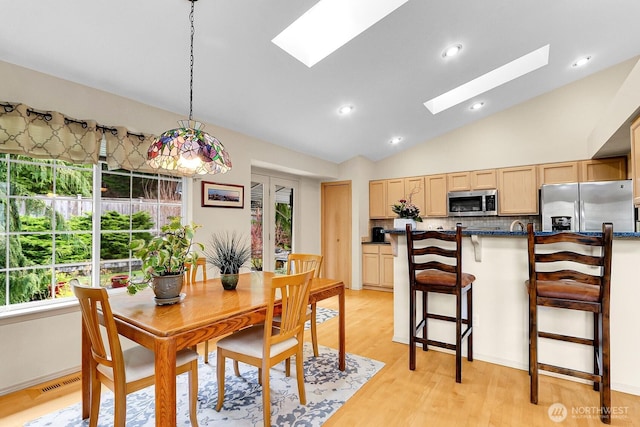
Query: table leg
x=86, y=375
x=165, y=350
x=341, y=320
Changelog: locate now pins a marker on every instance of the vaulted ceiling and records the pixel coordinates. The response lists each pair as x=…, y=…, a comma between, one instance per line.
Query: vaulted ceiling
x=242, y=81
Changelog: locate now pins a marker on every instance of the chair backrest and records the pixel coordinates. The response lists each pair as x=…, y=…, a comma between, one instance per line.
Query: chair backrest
x=293, y=290
x=94, y=303
x=571, y=256
x=435, y=250
x=299, y=263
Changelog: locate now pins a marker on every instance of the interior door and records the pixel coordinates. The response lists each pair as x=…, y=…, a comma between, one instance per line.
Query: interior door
x=336, y=230
x=273, y=212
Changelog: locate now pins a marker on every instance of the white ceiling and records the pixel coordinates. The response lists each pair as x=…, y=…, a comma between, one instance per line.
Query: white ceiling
x=242, y=81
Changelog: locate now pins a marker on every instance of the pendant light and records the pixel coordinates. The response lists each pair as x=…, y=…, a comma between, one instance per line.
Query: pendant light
x=188, y=150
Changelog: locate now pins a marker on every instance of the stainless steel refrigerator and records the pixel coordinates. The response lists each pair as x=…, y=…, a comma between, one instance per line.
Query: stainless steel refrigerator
x=585, y=206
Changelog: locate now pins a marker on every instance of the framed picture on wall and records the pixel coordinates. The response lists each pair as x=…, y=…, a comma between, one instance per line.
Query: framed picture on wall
x=216, y=195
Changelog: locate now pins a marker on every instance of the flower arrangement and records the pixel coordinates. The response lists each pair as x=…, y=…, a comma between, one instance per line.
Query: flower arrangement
x=406, y=209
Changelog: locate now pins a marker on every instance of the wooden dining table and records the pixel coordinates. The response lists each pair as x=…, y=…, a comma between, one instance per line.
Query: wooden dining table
x=207, y=311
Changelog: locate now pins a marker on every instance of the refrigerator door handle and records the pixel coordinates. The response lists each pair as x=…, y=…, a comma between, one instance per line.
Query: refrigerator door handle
x=582, y=216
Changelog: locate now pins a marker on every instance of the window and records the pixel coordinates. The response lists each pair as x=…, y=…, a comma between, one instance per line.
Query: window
x=48, y=230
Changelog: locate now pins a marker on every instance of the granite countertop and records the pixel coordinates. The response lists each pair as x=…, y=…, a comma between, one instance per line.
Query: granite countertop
x=507, y=233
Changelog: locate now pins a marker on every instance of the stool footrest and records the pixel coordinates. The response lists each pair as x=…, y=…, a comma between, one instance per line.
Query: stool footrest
x=571, y=372
x=567, y=338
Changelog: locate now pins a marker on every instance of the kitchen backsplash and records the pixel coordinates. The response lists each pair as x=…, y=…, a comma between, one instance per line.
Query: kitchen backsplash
x=484, y=222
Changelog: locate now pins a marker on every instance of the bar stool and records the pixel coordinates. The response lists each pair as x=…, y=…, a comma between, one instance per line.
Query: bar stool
x=555, y=285
x=190, y=273
x=435, y=265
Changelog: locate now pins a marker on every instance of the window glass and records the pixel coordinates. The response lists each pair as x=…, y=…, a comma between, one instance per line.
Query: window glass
x=47, y=224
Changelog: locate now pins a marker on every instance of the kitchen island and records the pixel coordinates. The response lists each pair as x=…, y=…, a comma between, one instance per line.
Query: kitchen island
x=498, y=259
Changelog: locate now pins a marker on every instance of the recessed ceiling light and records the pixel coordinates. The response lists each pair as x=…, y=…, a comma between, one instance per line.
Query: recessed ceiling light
x=345, y=109
x=395, y=140
x=514, y=69
x=476, y=106
x=581, y=61
x=330, y=24
x=452, y=51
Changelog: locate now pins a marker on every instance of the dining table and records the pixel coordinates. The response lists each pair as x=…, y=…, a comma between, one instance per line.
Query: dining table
x=205, y=311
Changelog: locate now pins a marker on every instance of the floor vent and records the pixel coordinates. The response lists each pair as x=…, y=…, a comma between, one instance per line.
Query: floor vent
x=60, y=383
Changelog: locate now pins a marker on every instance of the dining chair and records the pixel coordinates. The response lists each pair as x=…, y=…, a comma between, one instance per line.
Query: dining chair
x=264, y=345
x=435, y=266
x=127, y=371
x=190, y=270
x=572, y=271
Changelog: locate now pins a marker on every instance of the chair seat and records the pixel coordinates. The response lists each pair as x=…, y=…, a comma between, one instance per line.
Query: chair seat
x=250, y=341
x=442, y=278
x=139, y=362
x=567, y=289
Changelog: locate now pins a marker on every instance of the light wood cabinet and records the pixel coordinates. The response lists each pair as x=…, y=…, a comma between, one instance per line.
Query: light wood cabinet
x=517, y=191
x=459, y=181
x=635, y=160
x=610, y=169
x=414, y=190
x=435, y=195
x=377, y=199
x=484, y=180
x=558, y=173
x=377, y=267
x=395, y=192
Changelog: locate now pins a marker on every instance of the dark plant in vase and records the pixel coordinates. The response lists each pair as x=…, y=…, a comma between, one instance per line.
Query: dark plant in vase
x=228, y=253
x=164, y=256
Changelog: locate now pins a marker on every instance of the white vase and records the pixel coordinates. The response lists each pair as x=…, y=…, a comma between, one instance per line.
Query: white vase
x=401, y=223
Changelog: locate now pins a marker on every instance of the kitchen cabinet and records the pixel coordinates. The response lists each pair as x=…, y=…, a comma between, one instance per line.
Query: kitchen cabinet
x=459, y=181
x=558, y=173
x=609, y=169
x=435, y=195
x=414, y=190
x=635, y=160
x=377, y=267
x=484, y=180
x=517, y=191
x=377, y=199
x=395, y=192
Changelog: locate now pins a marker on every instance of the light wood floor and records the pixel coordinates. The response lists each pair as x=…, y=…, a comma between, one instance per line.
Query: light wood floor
x=490, y=395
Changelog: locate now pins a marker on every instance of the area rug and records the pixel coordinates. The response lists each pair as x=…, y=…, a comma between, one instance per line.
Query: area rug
x=326, y=387
x=322, y=315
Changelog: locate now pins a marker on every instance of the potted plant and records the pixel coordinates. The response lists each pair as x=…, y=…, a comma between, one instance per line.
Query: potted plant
x=164, y=257
x=407, y=212
x=228, y=252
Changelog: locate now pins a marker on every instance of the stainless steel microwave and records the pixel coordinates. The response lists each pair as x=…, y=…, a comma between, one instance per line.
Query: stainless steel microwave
x=472, y=203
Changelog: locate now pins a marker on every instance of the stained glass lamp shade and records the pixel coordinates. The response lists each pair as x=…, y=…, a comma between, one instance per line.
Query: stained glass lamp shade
x=189, y=150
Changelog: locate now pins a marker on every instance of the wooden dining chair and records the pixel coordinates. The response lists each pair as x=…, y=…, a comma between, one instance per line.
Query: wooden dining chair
x=572, y=271
x=191, y=271
x=127, y=371
x=435, y=265
x=264, y=345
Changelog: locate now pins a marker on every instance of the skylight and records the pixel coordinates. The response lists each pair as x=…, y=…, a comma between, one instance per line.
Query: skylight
x=329, y=25
x=501, y=75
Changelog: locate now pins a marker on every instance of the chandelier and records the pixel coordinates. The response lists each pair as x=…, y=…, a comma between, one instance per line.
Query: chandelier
x=189, y=150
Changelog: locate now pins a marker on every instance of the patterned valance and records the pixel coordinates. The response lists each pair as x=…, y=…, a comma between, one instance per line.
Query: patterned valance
x=52, y=135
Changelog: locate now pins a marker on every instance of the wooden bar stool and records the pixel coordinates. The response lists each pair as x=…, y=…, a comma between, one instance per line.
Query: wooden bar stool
x=554, y=284
x=435, y=265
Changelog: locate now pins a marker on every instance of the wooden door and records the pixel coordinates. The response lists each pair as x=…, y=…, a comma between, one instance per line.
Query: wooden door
x=336, y=230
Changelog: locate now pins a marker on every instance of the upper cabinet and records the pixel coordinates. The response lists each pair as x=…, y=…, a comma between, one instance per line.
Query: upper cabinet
x=377, y=199
x=473, y=180
x=435, y=195
x=558, y=173
x=484, y=180
x=610, y=169
x=635, y=160
x=459, y=181
x=384, y=193
x=517, y=191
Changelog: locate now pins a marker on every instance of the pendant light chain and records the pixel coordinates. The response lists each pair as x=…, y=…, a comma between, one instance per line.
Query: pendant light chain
x=191, y=62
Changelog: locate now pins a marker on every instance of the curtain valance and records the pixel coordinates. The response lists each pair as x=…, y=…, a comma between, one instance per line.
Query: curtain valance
x=52, y=135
